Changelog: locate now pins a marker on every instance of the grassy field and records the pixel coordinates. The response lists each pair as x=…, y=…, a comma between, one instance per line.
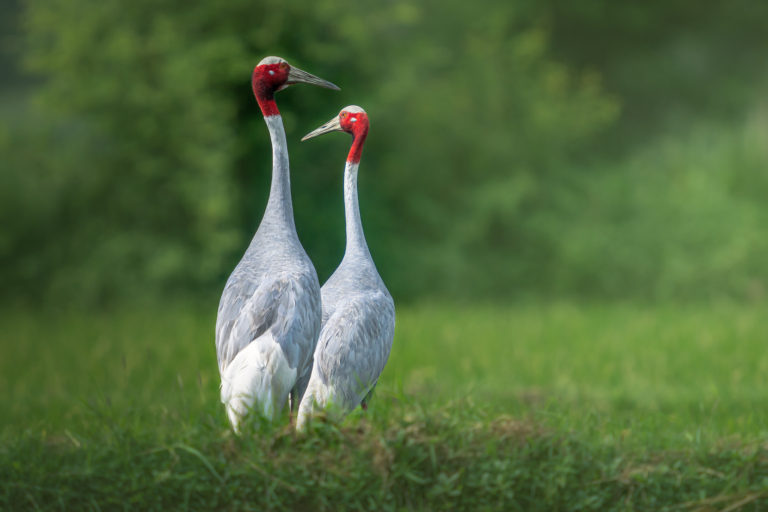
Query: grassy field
x=523, y=407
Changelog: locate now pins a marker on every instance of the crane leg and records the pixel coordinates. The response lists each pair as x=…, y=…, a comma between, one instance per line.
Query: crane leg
x=293, y=405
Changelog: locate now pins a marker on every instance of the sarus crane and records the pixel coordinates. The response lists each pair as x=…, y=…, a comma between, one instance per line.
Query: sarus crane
x=358, y=312
x=269, y=314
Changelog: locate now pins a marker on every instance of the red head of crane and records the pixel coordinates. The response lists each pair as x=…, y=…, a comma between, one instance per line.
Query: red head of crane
x=353, y=120
x=274, y=74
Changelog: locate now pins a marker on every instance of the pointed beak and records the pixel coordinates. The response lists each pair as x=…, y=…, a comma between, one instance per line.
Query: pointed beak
x=296, y=75
x=334, y=125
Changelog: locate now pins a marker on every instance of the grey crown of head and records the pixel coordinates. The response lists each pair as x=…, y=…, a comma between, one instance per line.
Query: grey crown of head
x=272, y=60
x=353, y=109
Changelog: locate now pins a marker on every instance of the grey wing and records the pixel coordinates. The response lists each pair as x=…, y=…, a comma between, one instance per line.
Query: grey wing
x=288, y=306
x=297, y=323
x=354, y=345
x=246, y=311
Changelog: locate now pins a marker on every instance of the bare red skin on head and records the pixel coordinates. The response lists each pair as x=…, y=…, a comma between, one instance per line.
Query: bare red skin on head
x=266, y=80
x=359, y=131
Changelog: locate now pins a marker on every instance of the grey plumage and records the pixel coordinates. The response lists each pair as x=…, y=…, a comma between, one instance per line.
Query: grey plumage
x=358, y=323
x=269, y=314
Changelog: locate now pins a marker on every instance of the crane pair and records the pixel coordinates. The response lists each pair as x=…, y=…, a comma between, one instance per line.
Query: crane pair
x=279, y=336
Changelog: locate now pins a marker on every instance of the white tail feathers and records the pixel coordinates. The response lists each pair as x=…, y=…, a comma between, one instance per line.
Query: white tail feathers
x=328, y=399
x=317, y=398
x=259, y=379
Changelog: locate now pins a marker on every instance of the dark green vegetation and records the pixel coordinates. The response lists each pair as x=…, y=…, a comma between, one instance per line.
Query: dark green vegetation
x=554, y=408
x=516, y=149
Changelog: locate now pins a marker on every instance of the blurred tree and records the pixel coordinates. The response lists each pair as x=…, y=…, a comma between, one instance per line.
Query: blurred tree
x=672, y=64
x=491, y=166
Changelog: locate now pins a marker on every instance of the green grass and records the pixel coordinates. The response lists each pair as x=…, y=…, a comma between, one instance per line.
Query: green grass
x=525, y=407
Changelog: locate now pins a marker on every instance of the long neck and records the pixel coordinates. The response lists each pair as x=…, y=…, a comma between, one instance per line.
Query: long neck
x=355, y=238
x=279, y=207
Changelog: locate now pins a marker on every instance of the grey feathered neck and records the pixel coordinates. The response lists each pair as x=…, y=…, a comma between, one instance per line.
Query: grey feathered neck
x=279, y=210
x=356, y=244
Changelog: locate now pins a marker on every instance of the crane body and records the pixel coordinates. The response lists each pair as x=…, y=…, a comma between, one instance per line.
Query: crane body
x=358, y=320
x=269, y=313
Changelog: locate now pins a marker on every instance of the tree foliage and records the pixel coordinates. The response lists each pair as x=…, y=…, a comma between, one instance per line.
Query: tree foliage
x=504, y=139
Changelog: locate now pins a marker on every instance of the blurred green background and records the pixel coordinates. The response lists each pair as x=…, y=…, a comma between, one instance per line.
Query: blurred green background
x=518, y=150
